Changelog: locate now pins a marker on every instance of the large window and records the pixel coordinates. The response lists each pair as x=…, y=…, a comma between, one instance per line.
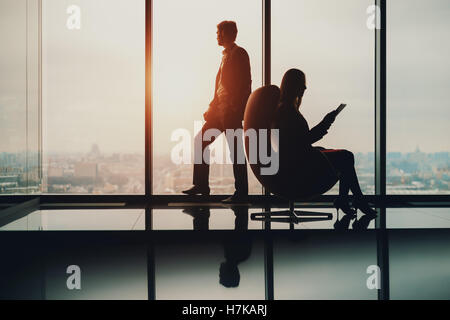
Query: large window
x=330, y=41
x=72, y=93
x=186, y=58
x=418, y=159
x=94, y=96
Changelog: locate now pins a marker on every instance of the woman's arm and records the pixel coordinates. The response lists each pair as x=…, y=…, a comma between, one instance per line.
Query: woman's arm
x=317, y=133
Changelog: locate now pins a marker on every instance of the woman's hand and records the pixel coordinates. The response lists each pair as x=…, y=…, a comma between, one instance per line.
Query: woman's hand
x=328, y=120
x=321, y=129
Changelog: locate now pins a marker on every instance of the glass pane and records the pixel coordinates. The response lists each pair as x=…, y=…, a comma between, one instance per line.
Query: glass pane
x=325, y=266
x=94, y=96
x=186, y=58
x=22, y=270
x=419, y=264
x=204, y=218
x=108, y=271
x=421, y=218
x=418, y=147
x=77, y=219
x=73, y=267
x=21, y=217
x=203, y=276
x=19, y=97
x=330, y=42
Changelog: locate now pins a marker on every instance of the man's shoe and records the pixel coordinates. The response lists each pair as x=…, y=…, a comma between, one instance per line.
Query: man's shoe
x=197, y=190
x=197, y=212
x=236, y=198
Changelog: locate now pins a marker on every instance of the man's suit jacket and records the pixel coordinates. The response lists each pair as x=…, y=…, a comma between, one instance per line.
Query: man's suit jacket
x=236, y=79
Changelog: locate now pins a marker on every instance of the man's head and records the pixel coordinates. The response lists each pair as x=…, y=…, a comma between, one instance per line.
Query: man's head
x=226, y=33
x=229, y=274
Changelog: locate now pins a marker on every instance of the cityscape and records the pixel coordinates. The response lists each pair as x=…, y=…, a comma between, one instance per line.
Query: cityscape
x=94, y=172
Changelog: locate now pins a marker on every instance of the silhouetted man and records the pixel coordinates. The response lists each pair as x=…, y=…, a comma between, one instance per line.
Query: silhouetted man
x=226, y=111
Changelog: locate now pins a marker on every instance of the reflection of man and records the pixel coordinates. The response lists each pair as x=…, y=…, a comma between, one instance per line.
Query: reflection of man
x=237, y=248
x=226, y=111
x=237, y=245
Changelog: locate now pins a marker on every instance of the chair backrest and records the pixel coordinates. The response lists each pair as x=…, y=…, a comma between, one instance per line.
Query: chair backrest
x=298, y=177
x=259, y=113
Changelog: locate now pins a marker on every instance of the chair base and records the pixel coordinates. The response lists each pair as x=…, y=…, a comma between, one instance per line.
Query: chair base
x=291, y=216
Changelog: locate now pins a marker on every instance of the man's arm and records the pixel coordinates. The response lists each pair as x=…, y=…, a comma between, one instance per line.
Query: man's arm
x=214, y=102
x=243, y=78
x=246, y=76
x=236, y=73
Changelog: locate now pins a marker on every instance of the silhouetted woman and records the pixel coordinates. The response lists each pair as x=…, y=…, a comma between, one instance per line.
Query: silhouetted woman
x=295, y=133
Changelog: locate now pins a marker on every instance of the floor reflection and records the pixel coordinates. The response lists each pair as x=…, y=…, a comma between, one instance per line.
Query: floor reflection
x=205, y=217
x=324, y=265
x=423, y=218
x=229, y=267
x=358, y=224
x=79, y=219
x=224, y=264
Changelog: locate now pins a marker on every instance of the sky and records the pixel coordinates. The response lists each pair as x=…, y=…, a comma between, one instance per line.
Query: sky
x=93, y=78
x=12, y=77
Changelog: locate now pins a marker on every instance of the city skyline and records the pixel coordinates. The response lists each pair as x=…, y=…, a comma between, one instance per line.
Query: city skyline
x=94, y=172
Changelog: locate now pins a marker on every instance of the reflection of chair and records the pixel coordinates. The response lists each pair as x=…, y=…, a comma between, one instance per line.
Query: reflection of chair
x=294, y=179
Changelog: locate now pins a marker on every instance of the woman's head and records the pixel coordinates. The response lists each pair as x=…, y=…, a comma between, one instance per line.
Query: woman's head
x=293, y=86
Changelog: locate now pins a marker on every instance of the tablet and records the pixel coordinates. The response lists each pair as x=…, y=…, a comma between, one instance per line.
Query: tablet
x=340, y=108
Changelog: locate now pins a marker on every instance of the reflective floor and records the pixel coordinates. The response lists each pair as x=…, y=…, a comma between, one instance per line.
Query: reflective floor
x=205, y=218
x=155, y=254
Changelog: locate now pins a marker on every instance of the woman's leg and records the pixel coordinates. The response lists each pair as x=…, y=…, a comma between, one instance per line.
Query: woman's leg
x=343, y=186
x=344, y=162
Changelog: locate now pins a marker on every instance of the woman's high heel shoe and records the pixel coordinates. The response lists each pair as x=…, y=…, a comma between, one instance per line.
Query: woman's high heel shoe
x=344, y=223
x=363, y=222
x=363, y=206
x=342, y=203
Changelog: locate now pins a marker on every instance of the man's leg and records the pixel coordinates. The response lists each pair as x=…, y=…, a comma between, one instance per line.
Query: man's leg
x=201, y=168
x=236, y=147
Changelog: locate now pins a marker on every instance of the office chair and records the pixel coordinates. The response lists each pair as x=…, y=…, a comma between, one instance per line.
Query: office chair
x=294, y=180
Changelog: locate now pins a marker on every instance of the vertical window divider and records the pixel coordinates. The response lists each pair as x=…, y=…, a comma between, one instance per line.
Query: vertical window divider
x=40, y=136
x=148, y=100
x=268, y=241
x=380, y=148
x=380, y=110
x=151, y=290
